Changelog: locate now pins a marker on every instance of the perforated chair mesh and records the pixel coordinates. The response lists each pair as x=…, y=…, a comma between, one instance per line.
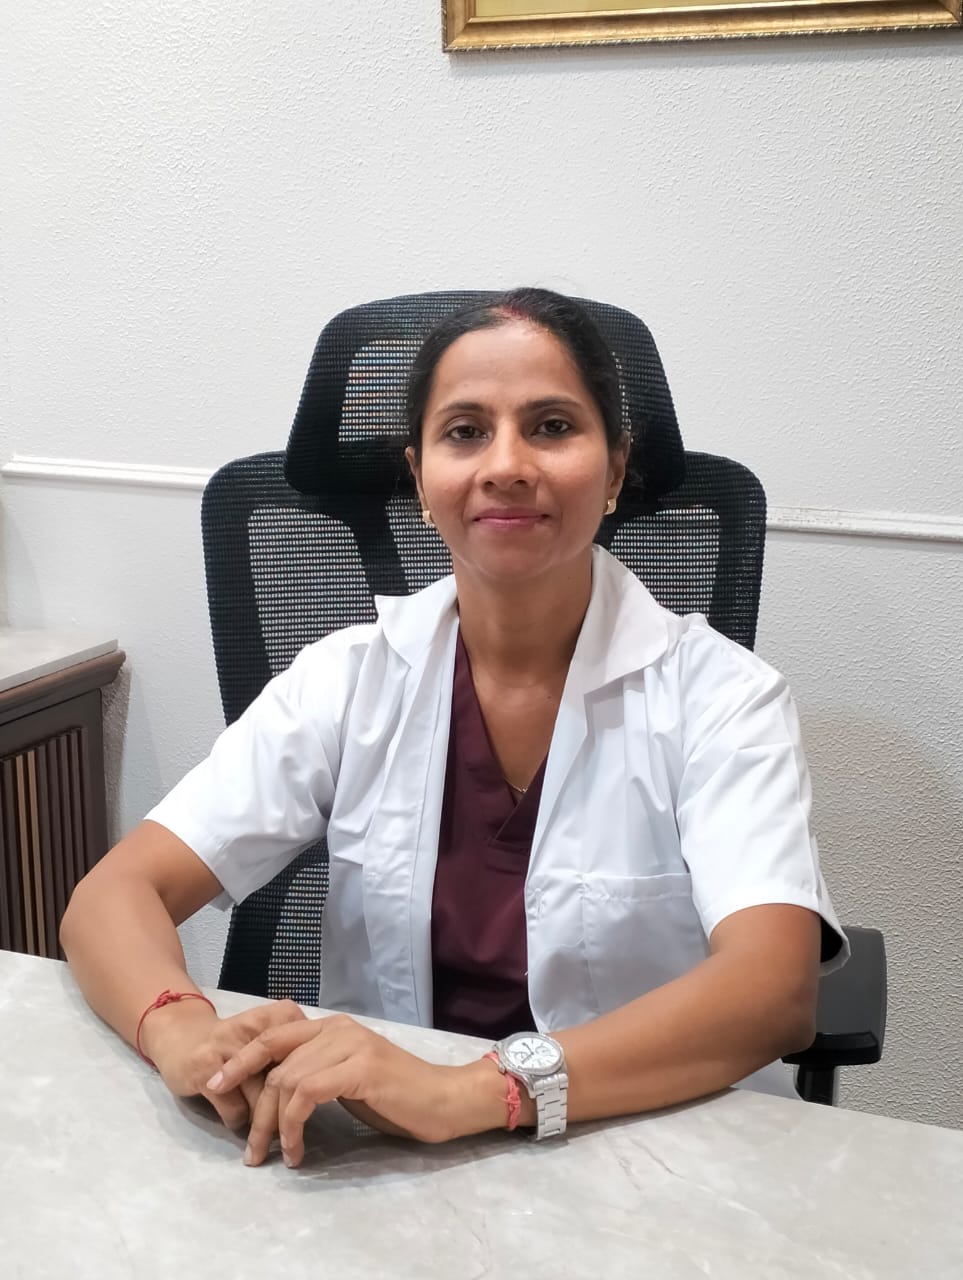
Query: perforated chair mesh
x=286, y=565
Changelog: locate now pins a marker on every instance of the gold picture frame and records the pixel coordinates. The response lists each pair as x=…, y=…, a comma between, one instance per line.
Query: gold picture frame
x=506, y=24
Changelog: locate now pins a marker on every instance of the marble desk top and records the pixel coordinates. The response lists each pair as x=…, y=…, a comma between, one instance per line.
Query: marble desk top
x=103, y=1174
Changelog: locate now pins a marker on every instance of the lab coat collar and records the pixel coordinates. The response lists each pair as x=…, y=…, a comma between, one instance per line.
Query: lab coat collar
x=410, y=623
x=624, y=628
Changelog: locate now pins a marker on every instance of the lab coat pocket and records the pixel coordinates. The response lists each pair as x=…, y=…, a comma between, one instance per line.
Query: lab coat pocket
x=640, y=932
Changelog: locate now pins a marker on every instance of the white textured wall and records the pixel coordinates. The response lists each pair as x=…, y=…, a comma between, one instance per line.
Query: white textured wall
x=870, y=635
x=192, y=190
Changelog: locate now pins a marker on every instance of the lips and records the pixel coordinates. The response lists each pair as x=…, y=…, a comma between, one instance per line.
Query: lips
x=509, y=516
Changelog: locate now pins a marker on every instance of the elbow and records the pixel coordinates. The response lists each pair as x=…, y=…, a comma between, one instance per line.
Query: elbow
x=801, y=1034
x=71, y=924
x=68, y=923
x=796, y=1023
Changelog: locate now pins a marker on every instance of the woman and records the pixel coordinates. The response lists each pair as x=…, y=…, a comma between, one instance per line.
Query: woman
x=551, y=806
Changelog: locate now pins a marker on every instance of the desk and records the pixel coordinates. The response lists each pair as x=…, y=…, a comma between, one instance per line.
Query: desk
x=103, y=1174
x=53, y=817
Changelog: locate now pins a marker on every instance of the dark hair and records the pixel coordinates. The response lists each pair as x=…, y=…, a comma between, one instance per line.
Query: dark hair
x=562, y=317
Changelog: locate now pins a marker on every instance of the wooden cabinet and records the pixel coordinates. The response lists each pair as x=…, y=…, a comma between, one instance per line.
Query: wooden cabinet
x=53, y=822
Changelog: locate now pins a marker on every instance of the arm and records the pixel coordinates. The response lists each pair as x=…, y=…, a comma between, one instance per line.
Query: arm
x=750, y=1002
x=120, y=937
x=119, y=932
x=742, y=806
x=234, y=821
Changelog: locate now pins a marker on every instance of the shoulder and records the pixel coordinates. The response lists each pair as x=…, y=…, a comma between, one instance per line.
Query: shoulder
x=726, y=693
x=629, y=634
x=703, y=656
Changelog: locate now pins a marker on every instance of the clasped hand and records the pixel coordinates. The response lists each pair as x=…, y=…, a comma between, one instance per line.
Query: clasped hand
x=188, y=1043
x=310, y=1062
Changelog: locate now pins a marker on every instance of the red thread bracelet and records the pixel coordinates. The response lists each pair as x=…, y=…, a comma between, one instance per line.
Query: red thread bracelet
x=513, y=1098
x=165, y=997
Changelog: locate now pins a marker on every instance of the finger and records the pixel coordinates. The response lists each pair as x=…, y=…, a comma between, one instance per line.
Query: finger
x=265, y=1016
x=296, y=1105
x=269, y=1047
x=241, y=1028
x=286, y=1011
x=264, y=1122
x=251, y=1090
x=232, y=1107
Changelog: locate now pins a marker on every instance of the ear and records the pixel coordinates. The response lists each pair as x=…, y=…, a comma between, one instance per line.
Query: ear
x=416, y=472
x=618, y=461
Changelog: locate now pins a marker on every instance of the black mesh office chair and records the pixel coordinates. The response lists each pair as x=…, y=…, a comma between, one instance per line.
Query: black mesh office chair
x=297, y=544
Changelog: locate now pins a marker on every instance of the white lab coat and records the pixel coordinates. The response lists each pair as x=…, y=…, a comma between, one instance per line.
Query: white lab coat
x=675, y=793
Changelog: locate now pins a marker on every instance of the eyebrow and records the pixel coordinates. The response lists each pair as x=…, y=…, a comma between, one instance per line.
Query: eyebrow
x=474, y=406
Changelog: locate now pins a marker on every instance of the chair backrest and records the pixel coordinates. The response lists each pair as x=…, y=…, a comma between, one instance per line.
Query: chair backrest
x=349, y=428
x=289, y=562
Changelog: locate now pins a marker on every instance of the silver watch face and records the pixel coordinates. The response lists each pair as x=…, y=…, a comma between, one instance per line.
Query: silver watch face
x=533, y=1053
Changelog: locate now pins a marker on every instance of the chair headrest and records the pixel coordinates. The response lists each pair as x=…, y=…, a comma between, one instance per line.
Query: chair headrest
x=349, y=431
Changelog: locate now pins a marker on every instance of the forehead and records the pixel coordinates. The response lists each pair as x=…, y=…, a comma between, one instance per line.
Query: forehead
x=515, y=358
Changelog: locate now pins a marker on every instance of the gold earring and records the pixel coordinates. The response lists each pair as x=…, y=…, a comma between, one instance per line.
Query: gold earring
x=426, y=517
x=610, y=507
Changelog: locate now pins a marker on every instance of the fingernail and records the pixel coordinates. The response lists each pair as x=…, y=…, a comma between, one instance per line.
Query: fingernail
x=215, y=1081
x=284, y=1143
x=287, y=1159
x=248, y=1155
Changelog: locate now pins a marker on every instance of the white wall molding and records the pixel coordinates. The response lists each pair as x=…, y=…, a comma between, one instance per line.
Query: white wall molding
x=860, y=524
x=81, y=471
x=867, y=524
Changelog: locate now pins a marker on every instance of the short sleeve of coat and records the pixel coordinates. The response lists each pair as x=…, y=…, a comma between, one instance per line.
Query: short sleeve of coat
x=744, y=797
x=265, y=791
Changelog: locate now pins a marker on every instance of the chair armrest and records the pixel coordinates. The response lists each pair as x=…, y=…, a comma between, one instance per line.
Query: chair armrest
x=851, y=1013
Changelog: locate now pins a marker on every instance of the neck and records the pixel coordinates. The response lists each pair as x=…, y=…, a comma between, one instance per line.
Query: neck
x=524, y=632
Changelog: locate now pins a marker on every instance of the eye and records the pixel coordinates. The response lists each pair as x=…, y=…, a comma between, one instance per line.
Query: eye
x=555, y=427
x=463, y=431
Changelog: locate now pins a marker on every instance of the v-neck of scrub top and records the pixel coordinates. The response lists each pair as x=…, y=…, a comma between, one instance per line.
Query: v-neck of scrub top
x=478, y=928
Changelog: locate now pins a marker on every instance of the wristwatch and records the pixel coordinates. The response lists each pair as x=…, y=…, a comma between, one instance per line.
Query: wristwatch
x=538, y=1063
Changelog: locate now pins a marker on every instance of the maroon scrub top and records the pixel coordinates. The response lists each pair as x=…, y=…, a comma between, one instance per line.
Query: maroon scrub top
x=478, y=943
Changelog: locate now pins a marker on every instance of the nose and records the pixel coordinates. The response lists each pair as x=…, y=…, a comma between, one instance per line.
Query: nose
x=509, y=459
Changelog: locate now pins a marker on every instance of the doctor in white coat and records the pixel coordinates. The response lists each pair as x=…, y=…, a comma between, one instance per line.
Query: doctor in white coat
x=675, y=919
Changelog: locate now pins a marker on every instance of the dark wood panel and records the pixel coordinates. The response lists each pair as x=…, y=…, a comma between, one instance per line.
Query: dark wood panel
x=10, y=881
x=53, y=820
x=55, y=832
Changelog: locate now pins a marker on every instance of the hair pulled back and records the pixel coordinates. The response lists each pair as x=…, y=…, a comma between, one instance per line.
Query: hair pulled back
x=558, y=315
